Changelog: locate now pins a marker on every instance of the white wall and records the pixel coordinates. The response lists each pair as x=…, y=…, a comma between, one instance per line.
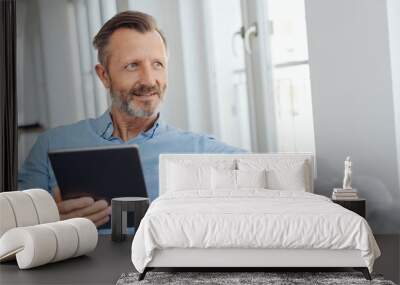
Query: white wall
x=353, y=97
x=393, y=11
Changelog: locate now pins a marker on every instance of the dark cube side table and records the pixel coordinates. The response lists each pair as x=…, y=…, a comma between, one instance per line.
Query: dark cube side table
x=358, y=206
x=120, y=207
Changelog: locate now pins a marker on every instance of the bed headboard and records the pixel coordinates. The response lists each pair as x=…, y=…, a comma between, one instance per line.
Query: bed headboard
x=211, y=159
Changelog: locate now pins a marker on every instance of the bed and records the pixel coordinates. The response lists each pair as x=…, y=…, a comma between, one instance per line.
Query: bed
x=246, y=211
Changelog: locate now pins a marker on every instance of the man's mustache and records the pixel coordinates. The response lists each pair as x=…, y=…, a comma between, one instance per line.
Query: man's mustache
x=143, y=90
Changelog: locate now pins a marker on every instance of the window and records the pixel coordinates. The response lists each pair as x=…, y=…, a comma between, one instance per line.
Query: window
x=263, y=86
x=291, y=76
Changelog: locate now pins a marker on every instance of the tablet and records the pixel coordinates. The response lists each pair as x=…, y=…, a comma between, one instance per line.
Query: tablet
x=99, y=172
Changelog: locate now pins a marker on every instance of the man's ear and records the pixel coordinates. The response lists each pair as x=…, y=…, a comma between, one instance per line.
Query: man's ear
x=103, y=75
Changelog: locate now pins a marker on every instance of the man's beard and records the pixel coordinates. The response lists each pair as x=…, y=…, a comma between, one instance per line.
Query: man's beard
x=125, y=102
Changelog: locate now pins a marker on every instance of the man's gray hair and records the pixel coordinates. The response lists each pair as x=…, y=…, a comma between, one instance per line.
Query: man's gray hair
x=135, y=20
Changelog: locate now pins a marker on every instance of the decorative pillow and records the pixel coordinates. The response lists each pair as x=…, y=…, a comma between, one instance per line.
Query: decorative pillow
x=182, y=177
x=26, y=208
x=251, y=178
x=282, y=174
x=223, y=179
x=37, y=245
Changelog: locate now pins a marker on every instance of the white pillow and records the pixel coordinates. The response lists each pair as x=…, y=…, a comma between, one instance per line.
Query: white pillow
x=223, y=179
x=236, y=179
x=288, y=179
x=251, y=178
x=183, y=177
x=282, y=174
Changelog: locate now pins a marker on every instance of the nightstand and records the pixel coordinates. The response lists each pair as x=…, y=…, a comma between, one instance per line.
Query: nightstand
x=358, y=206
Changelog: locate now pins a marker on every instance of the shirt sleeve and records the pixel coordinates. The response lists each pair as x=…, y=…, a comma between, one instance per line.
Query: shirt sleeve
x=34, y=172
x=208, y=144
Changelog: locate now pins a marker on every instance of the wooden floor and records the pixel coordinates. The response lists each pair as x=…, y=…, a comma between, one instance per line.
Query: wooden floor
x=389, y=262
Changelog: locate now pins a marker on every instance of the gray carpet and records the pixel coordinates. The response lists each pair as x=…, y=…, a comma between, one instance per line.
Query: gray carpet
x=225, y=278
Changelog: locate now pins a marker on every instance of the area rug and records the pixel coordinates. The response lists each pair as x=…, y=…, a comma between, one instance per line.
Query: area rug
x=273, y=278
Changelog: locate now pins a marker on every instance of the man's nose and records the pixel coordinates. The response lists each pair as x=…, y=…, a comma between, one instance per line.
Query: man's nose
x=147, y=76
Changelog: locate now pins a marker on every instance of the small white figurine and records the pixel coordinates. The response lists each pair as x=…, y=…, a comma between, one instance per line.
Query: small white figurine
x=347, y=174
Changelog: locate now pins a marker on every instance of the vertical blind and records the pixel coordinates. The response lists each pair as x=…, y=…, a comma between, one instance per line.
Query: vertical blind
x=8, y=100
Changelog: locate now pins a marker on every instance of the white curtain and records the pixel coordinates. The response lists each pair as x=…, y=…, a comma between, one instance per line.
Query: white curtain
x=90, y=15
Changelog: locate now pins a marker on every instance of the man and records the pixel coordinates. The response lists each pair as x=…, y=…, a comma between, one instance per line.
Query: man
x=133, y=68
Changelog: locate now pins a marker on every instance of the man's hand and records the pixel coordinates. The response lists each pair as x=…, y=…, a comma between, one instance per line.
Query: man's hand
x=84, y=207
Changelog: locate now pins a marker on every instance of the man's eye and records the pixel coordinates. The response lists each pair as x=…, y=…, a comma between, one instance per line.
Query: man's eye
x=158, y=64
x=131, y=66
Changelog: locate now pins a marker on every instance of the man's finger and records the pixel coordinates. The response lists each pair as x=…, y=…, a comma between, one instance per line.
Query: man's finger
x=96, y=207
x=102, y=222
x=70, y=205
x=99, y=215
x=96, y=218
x=57, y=194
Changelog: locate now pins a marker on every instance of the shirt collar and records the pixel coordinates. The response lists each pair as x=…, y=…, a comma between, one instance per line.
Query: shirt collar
x=104, y=127
x=102, y=123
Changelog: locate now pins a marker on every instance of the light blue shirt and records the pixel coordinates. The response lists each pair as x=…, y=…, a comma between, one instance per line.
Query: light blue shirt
x=36, y=172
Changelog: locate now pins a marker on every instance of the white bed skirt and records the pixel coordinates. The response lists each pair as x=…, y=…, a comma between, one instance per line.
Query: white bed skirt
x=235, y=257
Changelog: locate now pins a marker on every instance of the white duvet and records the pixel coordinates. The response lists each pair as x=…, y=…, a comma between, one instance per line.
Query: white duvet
x=251, y=218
